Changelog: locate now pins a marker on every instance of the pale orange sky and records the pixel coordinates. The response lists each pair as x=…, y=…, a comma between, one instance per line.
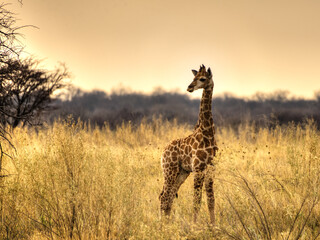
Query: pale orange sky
x=251, y=45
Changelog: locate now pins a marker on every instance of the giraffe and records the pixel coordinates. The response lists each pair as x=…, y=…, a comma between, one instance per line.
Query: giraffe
x=193, y=153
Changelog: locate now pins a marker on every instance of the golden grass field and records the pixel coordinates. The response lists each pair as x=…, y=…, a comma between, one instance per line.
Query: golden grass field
x=72, y=181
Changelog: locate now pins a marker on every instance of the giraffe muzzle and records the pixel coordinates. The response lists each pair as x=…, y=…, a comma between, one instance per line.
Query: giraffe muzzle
x=190, y=88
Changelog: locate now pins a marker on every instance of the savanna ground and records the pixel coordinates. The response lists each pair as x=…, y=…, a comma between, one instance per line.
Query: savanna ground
x=68, y=180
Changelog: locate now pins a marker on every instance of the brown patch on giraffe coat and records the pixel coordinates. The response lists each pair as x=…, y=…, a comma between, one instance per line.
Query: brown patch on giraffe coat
x=208, y=133
x=210, y=151
x=202, y=166
x=199, y=137
x=187, y=150
x=201, y=145
x=195, y=145
x=196, y=162
x=192, y=141
x=206, y=123
x=201, y=154
x=207, y=114
x=206, y=108
x=206, y=141
x=174, y=142
x=172, y=148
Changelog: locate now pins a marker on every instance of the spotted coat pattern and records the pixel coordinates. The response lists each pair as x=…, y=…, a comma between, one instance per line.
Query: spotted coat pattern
x=193, y=153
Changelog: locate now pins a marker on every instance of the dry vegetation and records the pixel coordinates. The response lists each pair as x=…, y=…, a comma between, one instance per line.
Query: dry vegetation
x=72, y=181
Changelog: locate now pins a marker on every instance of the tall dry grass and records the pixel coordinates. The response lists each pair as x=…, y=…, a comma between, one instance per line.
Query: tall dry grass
x=72, y=181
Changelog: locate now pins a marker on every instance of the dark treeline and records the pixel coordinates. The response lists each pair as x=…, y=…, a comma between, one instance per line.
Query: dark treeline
x=99, y=107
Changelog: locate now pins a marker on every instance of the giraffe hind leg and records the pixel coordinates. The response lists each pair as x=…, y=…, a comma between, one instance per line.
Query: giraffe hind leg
x=169, y=190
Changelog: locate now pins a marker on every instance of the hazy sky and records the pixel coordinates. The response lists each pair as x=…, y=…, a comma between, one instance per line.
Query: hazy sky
x=251, y=45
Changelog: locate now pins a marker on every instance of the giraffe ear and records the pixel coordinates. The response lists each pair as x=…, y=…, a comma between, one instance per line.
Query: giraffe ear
x=209, y=72
x=194, y=72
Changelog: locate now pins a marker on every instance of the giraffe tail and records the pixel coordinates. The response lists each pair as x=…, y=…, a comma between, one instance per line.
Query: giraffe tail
x=161, y=194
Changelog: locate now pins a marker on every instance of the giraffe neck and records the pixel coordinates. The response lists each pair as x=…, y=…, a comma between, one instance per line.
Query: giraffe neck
x=205, y=115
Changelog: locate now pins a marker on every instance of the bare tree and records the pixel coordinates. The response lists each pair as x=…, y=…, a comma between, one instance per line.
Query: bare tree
x=9, y=48
x=26, y=90
x=9, y=45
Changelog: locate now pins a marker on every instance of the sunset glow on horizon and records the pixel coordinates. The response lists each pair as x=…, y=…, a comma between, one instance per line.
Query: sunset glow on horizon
x=251, y=46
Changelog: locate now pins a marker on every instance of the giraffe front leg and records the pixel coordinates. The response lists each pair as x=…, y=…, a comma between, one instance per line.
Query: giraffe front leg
x=169, y=190
x=198, y=183
x=210, y=192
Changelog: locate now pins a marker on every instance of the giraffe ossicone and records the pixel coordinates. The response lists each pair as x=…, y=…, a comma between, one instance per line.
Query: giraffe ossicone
x=193, y=153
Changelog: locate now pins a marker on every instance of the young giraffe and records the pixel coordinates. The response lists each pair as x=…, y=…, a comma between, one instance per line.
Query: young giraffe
x=193, y=153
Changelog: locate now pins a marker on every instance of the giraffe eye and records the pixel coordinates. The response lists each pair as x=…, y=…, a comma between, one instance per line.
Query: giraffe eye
x=202, y=79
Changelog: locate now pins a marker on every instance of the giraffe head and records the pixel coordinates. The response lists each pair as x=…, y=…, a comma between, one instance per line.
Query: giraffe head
x=202, y=79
